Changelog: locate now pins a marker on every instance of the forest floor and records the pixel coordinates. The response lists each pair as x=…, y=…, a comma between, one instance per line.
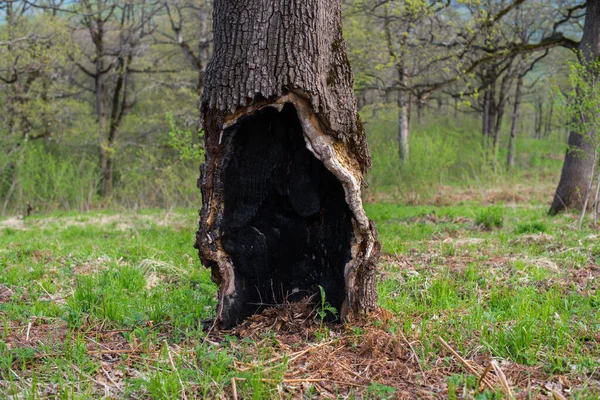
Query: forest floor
x=477, y=301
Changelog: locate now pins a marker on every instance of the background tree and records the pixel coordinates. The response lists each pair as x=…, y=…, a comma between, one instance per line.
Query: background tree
x=32, y=54
x=113, y=37
x=191, y=27
x=577, y=172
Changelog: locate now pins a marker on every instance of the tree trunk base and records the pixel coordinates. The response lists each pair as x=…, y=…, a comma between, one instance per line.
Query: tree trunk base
x=575, y=176
x=282, y=214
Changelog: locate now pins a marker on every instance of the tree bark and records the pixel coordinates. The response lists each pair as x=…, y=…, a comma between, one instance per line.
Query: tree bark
x=420, y=107
x=285, y=157
x=99, y=89
x=492, y=111
x=485, y=116
x=504, y=86
x=579, y=159
x=510, y=162
x=548, y=124
x=403, y=123
x=539, y=117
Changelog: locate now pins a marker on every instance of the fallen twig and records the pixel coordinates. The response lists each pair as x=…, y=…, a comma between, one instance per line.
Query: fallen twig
x=183, y=395
x=467, y=366
x=503, y=380
x=415, y=355
x=234, y=389
x=555, y=394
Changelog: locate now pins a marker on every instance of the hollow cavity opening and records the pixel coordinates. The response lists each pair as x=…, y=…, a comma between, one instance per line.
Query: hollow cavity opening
x=286, y=224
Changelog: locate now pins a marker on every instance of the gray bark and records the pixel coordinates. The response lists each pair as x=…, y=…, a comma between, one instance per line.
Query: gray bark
x=263, y=50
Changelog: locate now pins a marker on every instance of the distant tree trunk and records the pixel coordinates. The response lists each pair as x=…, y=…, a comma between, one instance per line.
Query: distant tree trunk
x=455, y=107
x=498, y=126
x=196, y=60
x=492, y=111
x=485, y=115
x=420, y=106
x=580, y=156
x=548, y=124
x=510, y=162
x=285, y=157
x=504, y=86
x=403, y=98
x=403, y=124
x=203, y=43
x=489, y=112
x=99, y=89
x=539, y=117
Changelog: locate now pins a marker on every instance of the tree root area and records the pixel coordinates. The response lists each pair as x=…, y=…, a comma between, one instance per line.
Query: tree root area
x=286, y=224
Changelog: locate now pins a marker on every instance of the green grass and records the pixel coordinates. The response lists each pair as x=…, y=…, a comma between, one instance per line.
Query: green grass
x=524, y=291
x=512, y=294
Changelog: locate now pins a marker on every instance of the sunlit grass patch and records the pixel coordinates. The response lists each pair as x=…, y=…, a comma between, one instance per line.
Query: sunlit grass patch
x=121, y=311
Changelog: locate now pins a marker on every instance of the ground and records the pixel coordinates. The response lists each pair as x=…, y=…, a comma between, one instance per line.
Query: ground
x=488, y=298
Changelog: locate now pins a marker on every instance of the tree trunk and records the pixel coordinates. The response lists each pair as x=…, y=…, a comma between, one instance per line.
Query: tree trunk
x=510, y=162
x=403, y=127
x=285, y=157
x=420, y=107
x=485, y=115
x=492, y=111
x=497, y=126
x=548, y=125
x=455, y=107
x=203, y=42
x=504, y=86
x=579, y=158
x=106, y=171
x=539, y=117
x=99, y=88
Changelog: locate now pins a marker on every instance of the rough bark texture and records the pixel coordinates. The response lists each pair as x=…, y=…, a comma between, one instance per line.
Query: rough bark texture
x=285, y=157
x=579, y=159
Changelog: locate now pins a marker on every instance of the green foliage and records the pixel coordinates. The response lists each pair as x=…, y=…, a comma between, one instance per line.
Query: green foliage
x=184, y=141
x=325, y=308
x=530, y=227
x=580, y=106
x=491, y=217
x=379, y=391
x=50, y=181
x=50, y=178
x=441, y=153
x=323, y=312
x=581, y=102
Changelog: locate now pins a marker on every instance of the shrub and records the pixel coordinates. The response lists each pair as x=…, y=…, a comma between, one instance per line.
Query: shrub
x=530, y=227
x=491, y=217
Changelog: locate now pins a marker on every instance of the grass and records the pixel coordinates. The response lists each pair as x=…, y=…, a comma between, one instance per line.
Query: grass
x=112, y=303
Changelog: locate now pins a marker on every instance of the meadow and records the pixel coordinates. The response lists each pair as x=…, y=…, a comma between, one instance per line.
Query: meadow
x=482, y=295
x=112, y=304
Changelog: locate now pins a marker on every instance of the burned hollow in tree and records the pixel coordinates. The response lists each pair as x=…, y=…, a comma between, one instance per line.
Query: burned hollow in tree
x=286, y=224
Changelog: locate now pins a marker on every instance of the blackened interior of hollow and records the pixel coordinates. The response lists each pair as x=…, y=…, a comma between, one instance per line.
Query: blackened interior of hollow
x=286, y=226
